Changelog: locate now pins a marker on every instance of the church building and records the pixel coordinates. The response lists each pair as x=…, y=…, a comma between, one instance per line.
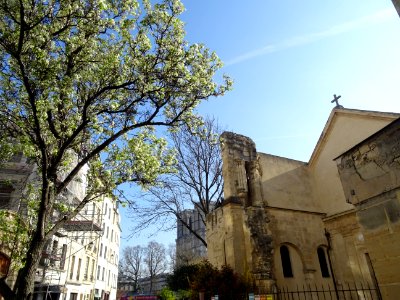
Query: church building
x=333, y=221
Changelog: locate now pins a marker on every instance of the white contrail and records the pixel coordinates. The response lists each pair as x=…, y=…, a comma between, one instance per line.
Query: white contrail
x=296, y=41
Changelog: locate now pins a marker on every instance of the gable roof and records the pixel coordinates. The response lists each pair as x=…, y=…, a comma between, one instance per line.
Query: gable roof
x=335, y=113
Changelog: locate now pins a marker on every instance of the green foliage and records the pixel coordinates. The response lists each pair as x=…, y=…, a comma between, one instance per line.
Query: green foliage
x=184, y=295
x=85, y=84
x=206, y=278
x=182, y=277
x=14, y=237
x=97, y=76
x=167, y=294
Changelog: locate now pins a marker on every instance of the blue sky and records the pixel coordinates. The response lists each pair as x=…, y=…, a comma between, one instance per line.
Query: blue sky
x=287, y=58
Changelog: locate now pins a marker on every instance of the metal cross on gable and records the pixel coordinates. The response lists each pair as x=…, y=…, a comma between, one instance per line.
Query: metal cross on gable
x=336, y=100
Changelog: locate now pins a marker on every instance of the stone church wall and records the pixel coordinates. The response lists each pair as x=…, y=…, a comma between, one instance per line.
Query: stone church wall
x=285, y=183
x=226, y=238
x=302, y=233
x=370, y=175
x=282, y=220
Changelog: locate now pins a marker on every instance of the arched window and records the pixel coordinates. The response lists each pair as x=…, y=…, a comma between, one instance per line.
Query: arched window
x=322, y=262
x=286, y=263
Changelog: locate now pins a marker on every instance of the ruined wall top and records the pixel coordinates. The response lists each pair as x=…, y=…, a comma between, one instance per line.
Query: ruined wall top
x=240, y=146
x=239, y=166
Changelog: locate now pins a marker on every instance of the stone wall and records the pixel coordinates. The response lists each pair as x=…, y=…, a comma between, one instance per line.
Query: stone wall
x=303, y=233
x=226, y=238
x=372, y=167
x=239, y=156
x=285, y=183
x=347, y=209
x=237, y=232
x=347, y=247
x=370, y=175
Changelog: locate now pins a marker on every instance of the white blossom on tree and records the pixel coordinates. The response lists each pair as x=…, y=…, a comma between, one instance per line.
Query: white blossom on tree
x=85, y=83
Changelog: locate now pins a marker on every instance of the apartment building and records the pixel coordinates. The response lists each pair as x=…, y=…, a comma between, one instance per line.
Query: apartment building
x=108, y=255
x=80, y=262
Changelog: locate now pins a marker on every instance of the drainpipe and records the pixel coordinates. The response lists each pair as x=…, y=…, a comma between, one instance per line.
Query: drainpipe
x=328, y=238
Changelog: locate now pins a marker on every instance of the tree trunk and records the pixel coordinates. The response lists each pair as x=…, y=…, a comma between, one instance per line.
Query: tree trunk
x=24, y=285
x=151, y=284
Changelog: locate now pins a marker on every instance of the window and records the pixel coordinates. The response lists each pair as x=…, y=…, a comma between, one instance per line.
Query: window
x=98, y=273
x=86, y=274
x=5, y=195
x=322, y=262
x=71, y=271
x=79, y=269
x=105, y=252
x=63, y=256
x=286, y=263
x=53, y=255
x=101, y=249
x=73, y=296
x=180, y=229
x=54, y=247
x=93, y=267
x=102, y=276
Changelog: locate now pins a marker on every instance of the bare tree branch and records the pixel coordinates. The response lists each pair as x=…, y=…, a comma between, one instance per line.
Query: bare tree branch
x=196, y=184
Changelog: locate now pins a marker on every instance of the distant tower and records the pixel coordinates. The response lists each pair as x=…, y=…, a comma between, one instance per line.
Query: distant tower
x=190, y=249
x=396, y=4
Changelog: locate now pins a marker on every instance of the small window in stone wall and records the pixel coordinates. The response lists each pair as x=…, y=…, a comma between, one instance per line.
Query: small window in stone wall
x=5, y=194
x=286, y=263
x=322, y=262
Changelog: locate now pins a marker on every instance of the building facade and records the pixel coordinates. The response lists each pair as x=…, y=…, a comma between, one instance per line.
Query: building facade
x=370, y=176
x=287, y=223
x=108, y=255
x=70, y=261
x=189, y=249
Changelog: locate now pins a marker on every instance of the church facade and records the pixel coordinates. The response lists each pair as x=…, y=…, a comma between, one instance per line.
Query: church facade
x=331, y=221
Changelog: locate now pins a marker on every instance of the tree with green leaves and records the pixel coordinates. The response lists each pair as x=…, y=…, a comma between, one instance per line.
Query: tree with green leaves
x=182, y=277
x=205, y=278
x=84, y=84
